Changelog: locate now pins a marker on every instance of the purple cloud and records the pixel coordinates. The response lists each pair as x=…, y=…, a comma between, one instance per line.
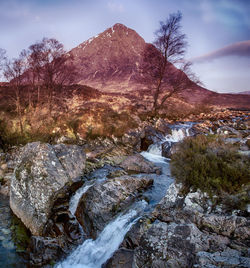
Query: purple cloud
x=239, y=49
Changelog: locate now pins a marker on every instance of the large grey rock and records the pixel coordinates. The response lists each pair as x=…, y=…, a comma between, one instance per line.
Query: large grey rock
x=228, y=258
x=122, y=258
x=132, y=138
x=228, y=131
x=44, y=250
x=42, y=171
x=103, y=201
x=231, y=226
x=174, y=245
x=138, y=164
x=163, y=126
x=169, y=148
x=151, y=135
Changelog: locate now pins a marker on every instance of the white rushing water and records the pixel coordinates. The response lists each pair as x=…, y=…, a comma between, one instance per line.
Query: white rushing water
x=155, y=149
x=178, y=133
x=76, y=197
x=155, y=158
x=73, y=203
x=93, y=253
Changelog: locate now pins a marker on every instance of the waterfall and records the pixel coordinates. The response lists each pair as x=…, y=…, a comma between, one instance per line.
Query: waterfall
x=178, y=133
x=75, y=198
x=155, y=149
x=93, y=253
x=156, y=158
x=73, y=203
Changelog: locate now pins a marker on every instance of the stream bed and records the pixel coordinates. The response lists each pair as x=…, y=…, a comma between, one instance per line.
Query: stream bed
x=94, y=253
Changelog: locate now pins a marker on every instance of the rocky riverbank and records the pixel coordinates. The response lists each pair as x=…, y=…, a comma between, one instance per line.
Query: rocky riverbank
x=184, y=230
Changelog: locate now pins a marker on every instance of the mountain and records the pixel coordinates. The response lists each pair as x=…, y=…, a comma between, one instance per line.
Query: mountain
x=112, y=60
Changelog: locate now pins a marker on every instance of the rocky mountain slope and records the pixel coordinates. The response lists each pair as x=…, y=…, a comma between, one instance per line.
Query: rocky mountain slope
x=109, y=98
x=112, y=62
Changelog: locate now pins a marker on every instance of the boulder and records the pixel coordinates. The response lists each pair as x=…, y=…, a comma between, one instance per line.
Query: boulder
x=151, y=135
x=133, y=138
x=133, y=236
x=44, y=251
x=229, y=131
x=174, y=245
x=138, y=164
x=227, y=258
x=202, y=128
x=248, y=143
x=163, y=126
x=102, y=202
x=42, y=171
x=122, y=258
x=230, y=226
x=168, y=148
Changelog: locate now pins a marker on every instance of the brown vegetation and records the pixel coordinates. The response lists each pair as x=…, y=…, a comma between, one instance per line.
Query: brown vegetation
x=41, y=101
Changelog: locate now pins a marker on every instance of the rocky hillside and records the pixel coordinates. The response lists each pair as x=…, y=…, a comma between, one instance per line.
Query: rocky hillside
x=112, y=62
x=112, y=57
x=109, y=98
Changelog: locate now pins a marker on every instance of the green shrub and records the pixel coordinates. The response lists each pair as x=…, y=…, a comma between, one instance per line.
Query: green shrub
x=209, y=164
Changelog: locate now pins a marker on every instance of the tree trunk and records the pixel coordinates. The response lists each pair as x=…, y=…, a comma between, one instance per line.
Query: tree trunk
x=50, y=99
x=19, y=113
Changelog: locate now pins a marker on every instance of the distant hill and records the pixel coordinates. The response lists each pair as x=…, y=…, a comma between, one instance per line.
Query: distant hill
x=245, y=92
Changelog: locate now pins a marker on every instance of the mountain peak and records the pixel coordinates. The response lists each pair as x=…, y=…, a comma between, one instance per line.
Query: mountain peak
x=120, y=31
x=119, y=26
x=112, y=55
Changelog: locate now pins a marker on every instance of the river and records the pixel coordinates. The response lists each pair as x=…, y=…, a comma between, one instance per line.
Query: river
x=94, y=253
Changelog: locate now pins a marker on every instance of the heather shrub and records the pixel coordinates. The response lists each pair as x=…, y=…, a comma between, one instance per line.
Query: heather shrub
x=116, y=124
x=207, y=163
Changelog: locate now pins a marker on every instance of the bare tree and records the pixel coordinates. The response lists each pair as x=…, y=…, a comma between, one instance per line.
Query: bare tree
x=56, y=69
x=158, y=70
x=49, y=69
x=34, y=61
x=13, y=72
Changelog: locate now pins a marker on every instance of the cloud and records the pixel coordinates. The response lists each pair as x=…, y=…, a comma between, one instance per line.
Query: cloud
x=115, y=7
x=227, y=12
x=239, y=49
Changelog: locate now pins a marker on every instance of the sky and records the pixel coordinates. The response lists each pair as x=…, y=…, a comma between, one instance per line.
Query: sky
x=218, y=31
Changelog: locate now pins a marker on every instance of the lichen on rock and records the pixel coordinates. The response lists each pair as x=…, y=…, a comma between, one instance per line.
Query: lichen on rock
x=42, y=170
